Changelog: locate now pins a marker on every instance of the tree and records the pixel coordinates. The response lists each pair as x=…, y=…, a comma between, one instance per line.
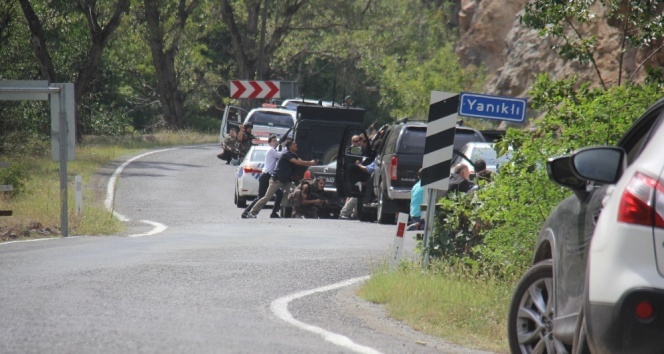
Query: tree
x=640, y=22
x=164, y=44
x=99, y=36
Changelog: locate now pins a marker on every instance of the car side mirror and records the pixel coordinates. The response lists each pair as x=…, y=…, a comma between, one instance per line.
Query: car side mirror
x=560, y=172
x=602, y=165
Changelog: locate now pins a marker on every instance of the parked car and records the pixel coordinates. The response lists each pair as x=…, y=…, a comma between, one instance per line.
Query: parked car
x=330, y=195
x=266, y=121
x=247, y=173
x=473, y=151
x=596, y=283
x=398, y=160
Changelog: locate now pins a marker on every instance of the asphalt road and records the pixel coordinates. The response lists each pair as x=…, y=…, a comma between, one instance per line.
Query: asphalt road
x=190, y=276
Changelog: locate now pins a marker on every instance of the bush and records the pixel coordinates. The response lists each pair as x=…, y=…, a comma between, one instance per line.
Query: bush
x=496, y=228
x=15, y=175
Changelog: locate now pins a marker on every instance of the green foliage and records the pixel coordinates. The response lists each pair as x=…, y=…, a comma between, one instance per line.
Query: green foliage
x=15, y=175
x=496, y=228
x=640, y=23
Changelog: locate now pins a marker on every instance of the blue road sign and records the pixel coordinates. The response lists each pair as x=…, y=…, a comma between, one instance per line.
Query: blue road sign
x=492, y=107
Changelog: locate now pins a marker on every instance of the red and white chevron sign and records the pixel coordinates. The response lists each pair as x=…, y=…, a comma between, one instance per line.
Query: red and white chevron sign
x=254, y=89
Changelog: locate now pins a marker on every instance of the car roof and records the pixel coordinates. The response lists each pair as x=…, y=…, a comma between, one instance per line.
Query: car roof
x=273, y=110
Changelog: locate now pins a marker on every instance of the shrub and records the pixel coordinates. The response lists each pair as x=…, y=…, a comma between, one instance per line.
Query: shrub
x=496, y=228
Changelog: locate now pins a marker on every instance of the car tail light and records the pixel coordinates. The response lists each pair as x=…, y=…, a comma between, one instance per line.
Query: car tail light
x=307, y=175
x=394, y=164
x=644, y=310
x=251, y=169
x=636, y=203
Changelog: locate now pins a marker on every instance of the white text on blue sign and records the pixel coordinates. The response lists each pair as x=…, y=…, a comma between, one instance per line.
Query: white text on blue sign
x=492, y=107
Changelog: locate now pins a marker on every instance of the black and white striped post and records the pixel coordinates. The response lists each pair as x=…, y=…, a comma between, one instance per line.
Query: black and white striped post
x=437, y=160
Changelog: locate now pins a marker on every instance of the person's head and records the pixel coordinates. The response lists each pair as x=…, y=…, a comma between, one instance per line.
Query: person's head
x=248, y=127
x=320, y=183
x=462, y=170
x=272, y=140
x=419, y=174
x=355, y=140
x=348, y=101
x=480, y=165
x=233, y=132
x=291, y=145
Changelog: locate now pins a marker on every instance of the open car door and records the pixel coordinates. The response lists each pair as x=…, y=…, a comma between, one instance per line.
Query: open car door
x=233, y=118
x=351, y=181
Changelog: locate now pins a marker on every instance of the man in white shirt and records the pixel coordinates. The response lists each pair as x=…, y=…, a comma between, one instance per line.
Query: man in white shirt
x=271, y=158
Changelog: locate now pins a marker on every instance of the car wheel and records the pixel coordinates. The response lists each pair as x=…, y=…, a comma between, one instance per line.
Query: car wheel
x=531, y=313
x=330, y=155
x=383, y=199
x=240, y=201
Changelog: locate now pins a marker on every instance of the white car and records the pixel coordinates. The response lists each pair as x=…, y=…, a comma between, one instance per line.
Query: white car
x=480, y=150
x=247, y=173
x=596, y=284
x=624, y=312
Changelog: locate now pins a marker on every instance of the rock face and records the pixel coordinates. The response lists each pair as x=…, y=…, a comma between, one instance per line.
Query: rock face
x=492, y=35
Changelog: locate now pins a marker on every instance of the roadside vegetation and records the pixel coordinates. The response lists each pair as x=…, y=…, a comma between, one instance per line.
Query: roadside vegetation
x=35, y=201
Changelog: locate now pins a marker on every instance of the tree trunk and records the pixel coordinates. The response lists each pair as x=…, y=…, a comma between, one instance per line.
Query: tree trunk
x=170, y=96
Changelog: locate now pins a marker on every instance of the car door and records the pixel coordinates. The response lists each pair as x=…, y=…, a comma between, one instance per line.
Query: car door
x=233, y=117
x=349, y=183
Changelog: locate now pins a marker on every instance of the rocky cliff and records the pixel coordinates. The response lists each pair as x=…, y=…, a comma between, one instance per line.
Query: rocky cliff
x=492, y=35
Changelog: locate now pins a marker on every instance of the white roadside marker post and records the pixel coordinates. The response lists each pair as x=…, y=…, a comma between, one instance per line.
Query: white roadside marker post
x=397, y=244
x=78, y=180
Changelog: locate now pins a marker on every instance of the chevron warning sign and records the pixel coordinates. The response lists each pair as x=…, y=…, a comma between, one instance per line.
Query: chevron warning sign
x=440, y=140
x=254, y=89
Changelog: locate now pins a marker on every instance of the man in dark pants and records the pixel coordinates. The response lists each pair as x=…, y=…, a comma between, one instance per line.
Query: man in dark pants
x=281, y=178
x=271, y=158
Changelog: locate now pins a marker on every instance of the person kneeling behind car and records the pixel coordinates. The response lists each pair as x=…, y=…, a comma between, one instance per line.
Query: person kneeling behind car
x=304, y=206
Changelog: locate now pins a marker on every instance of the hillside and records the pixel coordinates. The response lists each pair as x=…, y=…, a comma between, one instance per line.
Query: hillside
x=492, y=35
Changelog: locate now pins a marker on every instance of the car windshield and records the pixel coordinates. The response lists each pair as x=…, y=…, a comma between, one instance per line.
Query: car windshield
x=271, y=119
x=412, y=141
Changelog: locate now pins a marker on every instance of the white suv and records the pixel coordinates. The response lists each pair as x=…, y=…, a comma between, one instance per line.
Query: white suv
x=597, y=280
x=624, y=309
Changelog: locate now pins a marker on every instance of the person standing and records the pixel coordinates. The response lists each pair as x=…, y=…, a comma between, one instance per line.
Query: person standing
x=245, y=139
x=281, y=178
x=416, y=197
x=271, y=158
x=460, y=179
x=349, y=211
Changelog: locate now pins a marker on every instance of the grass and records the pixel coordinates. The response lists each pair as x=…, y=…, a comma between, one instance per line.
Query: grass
x=36, y=209
x=444, y=302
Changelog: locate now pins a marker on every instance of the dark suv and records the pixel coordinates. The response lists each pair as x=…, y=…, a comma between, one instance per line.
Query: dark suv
x=398, y=160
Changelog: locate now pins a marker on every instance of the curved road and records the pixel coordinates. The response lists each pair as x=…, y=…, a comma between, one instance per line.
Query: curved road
x=197, y=278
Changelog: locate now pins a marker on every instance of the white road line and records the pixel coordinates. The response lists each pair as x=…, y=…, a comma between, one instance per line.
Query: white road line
x=110, y=194
x=280, y=308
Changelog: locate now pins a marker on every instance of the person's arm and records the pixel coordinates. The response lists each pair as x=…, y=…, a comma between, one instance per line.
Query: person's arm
x=305, y=195
x=299, y=162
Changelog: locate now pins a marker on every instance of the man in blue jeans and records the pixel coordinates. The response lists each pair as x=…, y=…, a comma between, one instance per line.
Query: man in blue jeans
x=271, y=158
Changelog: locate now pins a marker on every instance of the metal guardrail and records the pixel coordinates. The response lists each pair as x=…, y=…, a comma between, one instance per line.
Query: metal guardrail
x=5, y=188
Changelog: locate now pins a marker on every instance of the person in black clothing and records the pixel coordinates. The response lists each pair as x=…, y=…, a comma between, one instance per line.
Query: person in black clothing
x=459, y=180
x=281, y=178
